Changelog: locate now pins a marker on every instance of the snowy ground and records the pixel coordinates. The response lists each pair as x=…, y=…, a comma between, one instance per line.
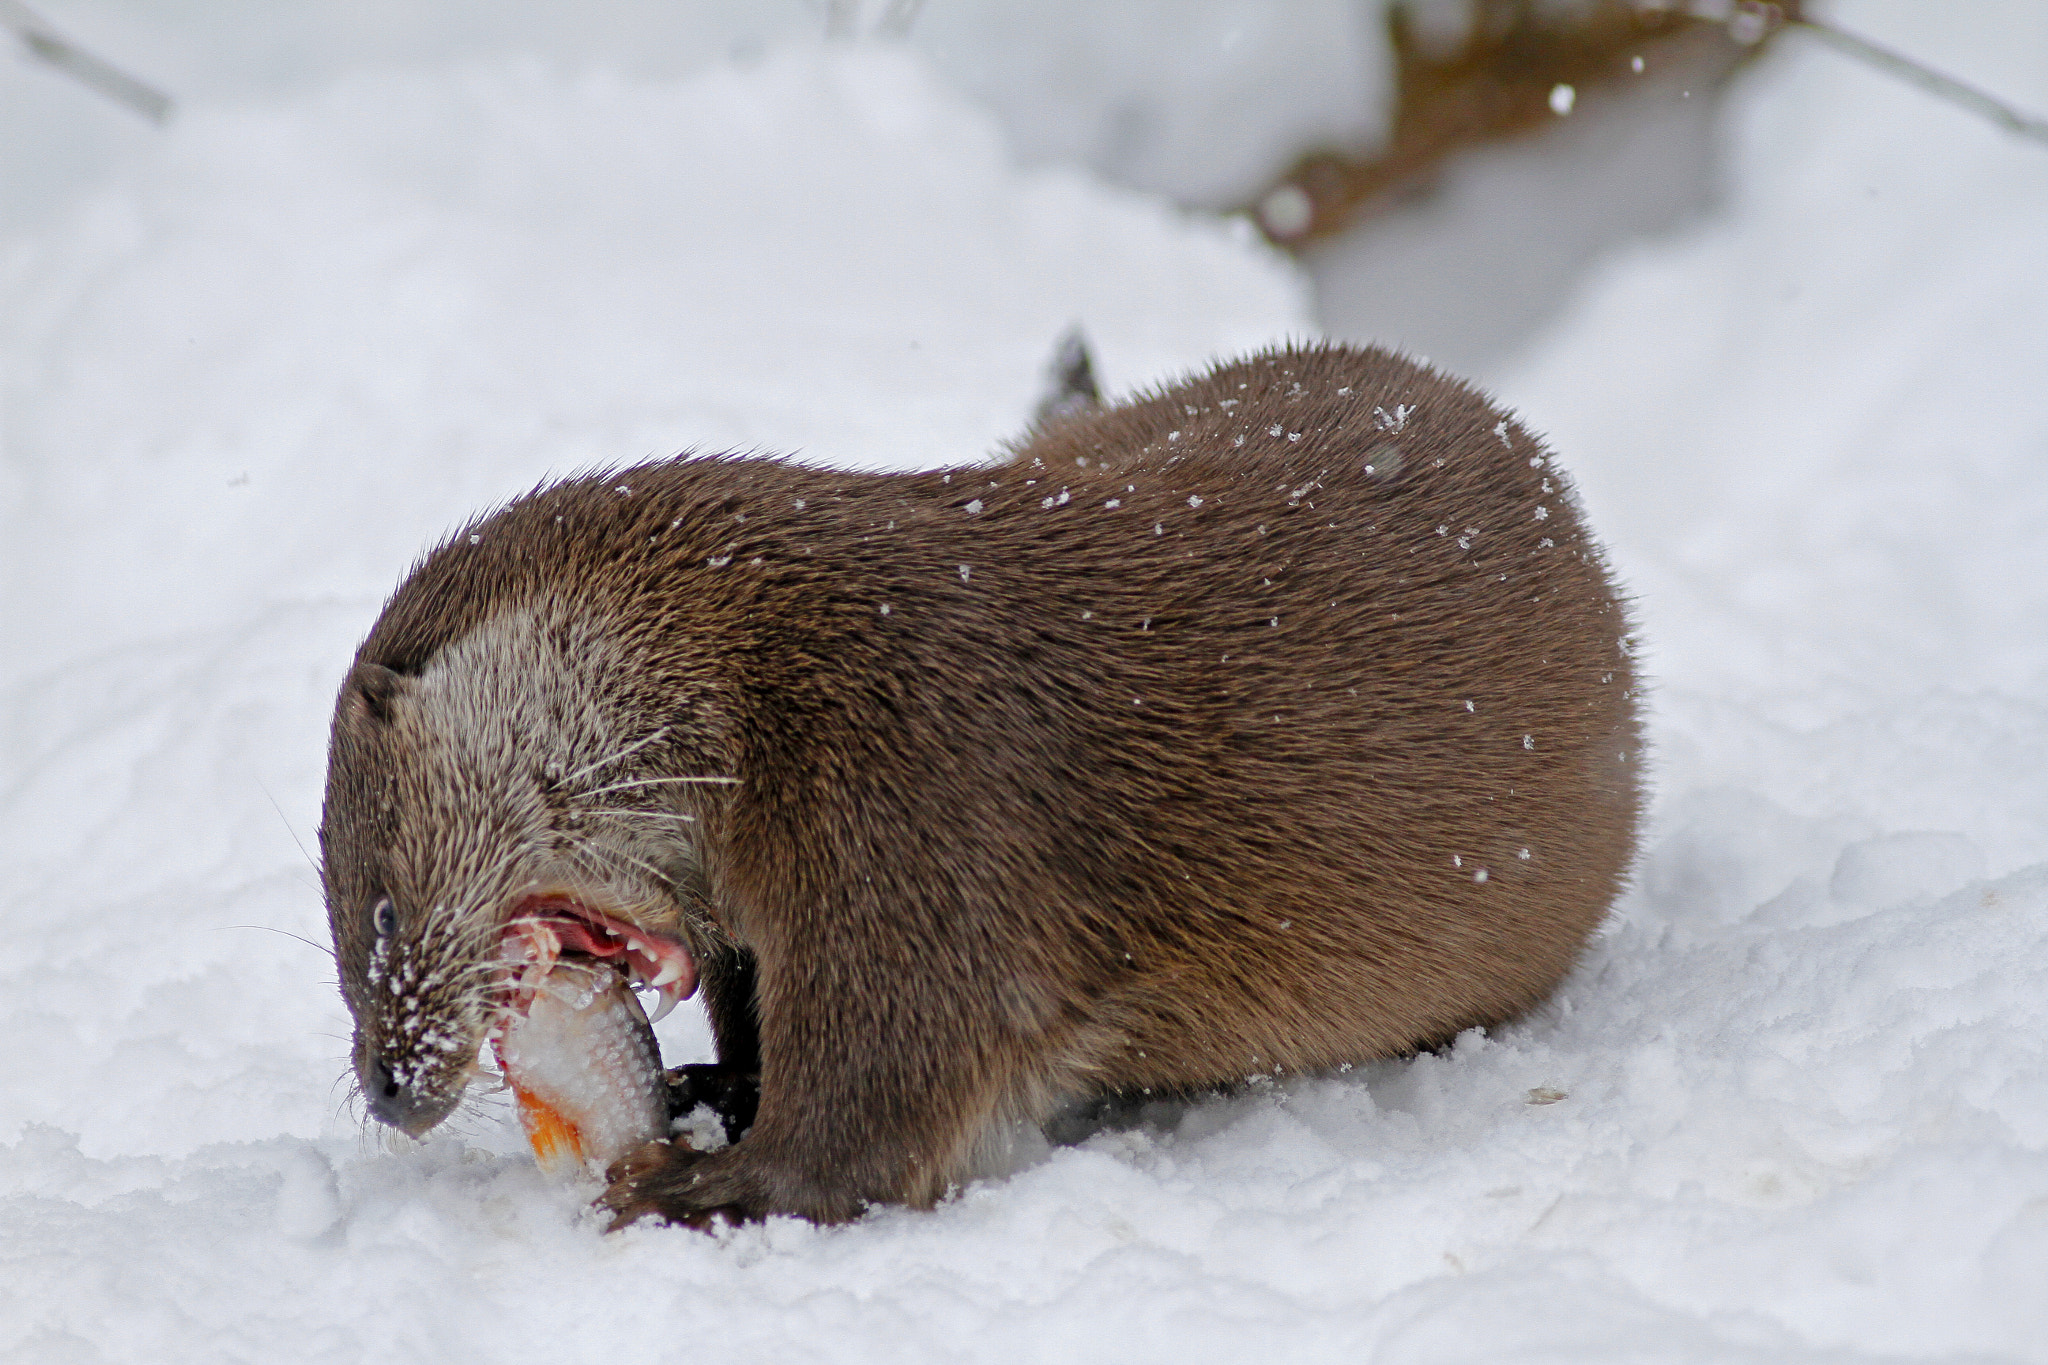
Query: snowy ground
x=1794, y=1106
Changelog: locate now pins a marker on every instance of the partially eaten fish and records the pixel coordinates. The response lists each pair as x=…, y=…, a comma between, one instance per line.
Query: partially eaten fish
x=580, y=1058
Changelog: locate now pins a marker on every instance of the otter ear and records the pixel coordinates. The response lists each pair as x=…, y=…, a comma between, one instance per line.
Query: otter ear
x=1070, y=386
x=370, y=691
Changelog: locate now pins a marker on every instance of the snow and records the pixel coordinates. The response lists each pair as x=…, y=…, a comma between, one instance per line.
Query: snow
x=1793, y=1106
x=1171, y=96
x=1175, y=96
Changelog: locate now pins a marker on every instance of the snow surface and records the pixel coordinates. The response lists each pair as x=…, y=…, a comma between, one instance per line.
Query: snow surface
x=1794, y=1106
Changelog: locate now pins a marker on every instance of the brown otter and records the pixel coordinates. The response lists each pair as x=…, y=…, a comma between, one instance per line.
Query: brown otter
x=1279, y=719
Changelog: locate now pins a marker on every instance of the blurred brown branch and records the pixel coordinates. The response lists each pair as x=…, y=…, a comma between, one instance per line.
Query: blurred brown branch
x=1521, y=64
x=1518, y=66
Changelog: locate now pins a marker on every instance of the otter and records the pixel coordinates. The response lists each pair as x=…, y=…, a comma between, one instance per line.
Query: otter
x=1276, y=719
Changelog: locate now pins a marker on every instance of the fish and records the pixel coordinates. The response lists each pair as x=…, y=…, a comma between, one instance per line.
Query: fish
x=582, y=1063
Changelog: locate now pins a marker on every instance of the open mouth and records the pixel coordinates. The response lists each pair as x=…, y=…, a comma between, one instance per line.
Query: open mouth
x=544, y=929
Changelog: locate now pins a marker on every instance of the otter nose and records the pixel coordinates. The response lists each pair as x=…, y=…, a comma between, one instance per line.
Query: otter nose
x=398, y=1104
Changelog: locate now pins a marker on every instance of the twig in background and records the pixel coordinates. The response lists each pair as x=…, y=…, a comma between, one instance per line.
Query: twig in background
x=898, y=17
x=842, y=18
x=1927, y=78
x=50, y=46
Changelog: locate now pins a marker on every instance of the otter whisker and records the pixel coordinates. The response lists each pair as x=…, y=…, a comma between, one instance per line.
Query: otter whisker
x=637, y=814
x=656, y=782
x=311, y=861
x=322, y=947
x=635, y=747
x=467, y=935
x=350, y=1103
x=582, y=853
x=621, y=856
x=472, y=928
x=480, y=967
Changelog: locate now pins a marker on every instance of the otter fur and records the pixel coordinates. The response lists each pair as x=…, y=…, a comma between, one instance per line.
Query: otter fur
x=1278, y=719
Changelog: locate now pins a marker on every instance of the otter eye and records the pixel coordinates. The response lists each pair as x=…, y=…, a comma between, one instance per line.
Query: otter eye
x=384, y=916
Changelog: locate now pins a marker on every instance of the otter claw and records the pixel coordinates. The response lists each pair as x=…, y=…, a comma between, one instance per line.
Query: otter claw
x=639, y=1180
x=644, y=1161
x=704, y=1220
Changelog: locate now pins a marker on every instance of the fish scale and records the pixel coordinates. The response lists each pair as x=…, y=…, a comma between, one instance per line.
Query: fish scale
x=584, y=1066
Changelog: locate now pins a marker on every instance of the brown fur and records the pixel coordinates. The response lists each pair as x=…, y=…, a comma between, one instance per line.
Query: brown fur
x=1200, y=751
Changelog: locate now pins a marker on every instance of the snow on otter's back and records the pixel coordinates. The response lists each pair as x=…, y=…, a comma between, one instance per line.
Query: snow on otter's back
x=586, y=1071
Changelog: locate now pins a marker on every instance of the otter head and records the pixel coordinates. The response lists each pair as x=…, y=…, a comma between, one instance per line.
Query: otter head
x=494, y=807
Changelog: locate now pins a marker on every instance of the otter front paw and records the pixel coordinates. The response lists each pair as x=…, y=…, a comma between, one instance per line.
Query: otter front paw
x=674, y=1183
